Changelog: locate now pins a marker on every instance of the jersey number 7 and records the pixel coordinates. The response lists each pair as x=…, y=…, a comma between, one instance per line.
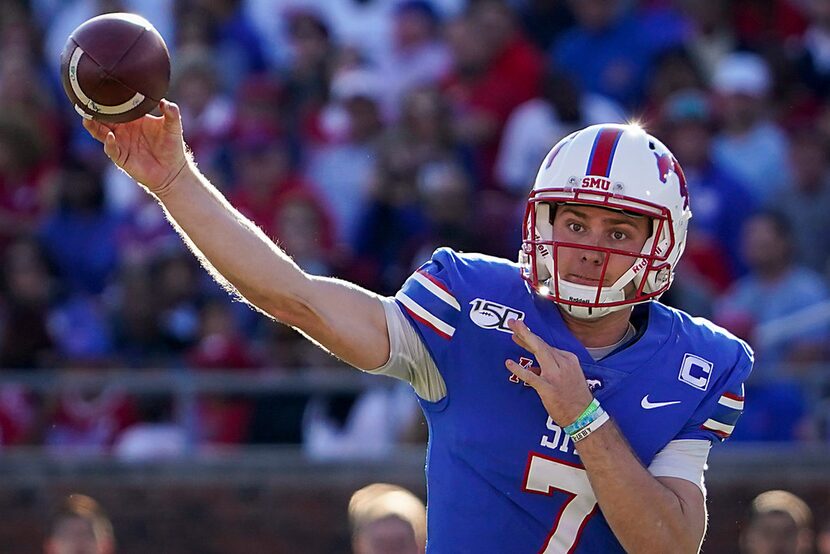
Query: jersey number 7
x=548, y=476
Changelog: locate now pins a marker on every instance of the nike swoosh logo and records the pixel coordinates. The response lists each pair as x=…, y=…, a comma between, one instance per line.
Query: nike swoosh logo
x=651, y=405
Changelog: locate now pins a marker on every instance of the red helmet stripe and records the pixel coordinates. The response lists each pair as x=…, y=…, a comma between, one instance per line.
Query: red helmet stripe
x=602, y=153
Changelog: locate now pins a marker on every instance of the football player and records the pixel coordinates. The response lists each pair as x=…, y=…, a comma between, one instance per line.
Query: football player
x=569, y=411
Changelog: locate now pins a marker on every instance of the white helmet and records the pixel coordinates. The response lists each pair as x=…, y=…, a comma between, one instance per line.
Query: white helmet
x=618, y=167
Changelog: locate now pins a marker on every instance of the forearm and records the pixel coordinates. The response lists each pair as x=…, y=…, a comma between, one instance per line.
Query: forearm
x=230, y=246
x=645, y=515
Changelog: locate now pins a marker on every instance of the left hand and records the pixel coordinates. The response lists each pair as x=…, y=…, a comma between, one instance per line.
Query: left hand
x=559, y=380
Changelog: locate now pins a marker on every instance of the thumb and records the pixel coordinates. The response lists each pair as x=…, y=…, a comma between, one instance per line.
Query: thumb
x=111, y=148
x=172, y=116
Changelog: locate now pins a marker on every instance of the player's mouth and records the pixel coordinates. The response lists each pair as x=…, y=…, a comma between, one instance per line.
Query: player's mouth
x=581, y=279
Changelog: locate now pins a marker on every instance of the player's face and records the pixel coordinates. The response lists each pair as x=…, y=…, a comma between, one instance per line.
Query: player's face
x=596, y=227
x=773, y=533
x=73, y=536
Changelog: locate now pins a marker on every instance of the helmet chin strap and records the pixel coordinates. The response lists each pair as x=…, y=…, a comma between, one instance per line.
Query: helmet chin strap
x=586, y=293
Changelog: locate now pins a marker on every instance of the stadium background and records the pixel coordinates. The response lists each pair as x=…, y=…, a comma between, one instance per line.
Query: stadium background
x=362, y=134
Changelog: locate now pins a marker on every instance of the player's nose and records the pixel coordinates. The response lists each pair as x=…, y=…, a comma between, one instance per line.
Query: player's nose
x=596, y=257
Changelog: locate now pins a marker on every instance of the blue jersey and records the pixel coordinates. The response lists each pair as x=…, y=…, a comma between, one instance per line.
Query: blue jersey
x=501, y=475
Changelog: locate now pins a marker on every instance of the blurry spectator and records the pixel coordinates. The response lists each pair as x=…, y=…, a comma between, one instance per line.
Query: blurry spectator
x=756, y=307
x=229, y=34
x=813, y=55
x=750, y=144
x=609, y=51
x=260, y=107
x=713, y=244
x=387, y=519
x=24, y=179
x=80, y=526
x=446, y=195
x=806, y=200
x=220, y=345
x=305, y=231
x=179, y=296
x=674, y=71
x=536, y=125
x=206, y=110
x=155, y=436
x=78, y=326
x=417, y=57
x=425, y=132
x=134, y=317
x=544, y=21
x=368, y=427
x=85, y=420
x=760, y=23
x=263, y=177
x=28, y=288
x=393, y=220
x=779, y=523
x=80, y=236
x=495, y=69
x=144, y=232
x=222, y=418
x=17, y=416
x=775, y=287
x=364, y=26
x=26, y=93
x=341, y=169
x=307, y=75
x=712, y=34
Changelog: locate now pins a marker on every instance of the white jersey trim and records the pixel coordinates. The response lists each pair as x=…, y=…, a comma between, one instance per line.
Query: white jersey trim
x=436, y=290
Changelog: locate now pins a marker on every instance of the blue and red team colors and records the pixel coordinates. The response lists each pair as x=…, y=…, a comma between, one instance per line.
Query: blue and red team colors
x=501, y=475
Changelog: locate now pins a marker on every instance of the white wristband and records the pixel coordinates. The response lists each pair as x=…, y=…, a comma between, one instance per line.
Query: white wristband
x=594, y=425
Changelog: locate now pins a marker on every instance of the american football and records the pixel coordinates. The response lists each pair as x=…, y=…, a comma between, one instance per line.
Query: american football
x=115, y=67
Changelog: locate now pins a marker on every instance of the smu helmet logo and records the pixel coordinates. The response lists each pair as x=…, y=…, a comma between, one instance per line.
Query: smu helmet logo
x=666, y=163
x=492, y=315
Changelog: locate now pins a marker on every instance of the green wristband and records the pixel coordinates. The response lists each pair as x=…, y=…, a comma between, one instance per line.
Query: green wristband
x=585, y=418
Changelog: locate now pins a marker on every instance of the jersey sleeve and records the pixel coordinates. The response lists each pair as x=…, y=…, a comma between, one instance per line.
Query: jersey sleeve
x=428, y=300
x=717, y=416
x=409, y=359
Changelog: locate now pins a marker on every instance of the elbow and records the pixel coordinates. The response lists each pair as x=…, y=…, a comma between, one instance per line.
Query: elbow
x=665, y=538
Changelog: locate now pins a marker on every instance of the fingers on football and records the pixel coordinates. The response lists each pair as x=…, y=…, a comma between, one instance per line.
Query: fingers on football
x=111, y=148
x=96, y=129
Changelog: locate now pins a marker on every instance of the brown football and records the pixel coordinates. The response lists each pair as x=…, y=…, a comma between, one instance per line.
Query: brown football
x=115, y=67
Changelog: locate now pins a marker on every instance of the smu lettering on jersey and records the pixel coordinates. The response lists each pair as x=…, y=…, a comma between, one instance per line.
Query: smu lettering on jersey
x=502, y=476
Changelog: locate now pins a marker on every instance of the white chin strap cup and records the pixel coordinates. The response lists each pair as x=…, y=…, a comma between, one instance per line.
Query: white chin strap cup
x=574, y=292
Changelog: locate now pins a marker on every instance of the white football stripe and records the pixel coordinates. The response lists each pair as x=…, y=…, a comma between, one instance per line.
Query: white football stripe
x=718, y=426
x=137, y=99
x=731, y=403
x=422, y=313
x=437, y=291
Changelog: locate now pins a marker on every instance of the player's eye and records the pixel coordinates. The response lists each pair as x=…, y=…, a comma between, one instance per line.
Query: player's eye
x=575, y=227
x=618, y=235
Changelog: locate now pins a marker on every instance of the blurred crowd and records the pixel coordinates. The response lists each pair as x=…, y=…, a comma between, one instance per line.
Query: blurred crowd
x=361, y=135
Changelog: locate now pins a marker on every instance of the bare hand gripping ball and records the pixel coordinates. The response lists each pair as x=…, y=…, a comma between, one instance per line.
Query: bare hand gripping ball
x=115, y=67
